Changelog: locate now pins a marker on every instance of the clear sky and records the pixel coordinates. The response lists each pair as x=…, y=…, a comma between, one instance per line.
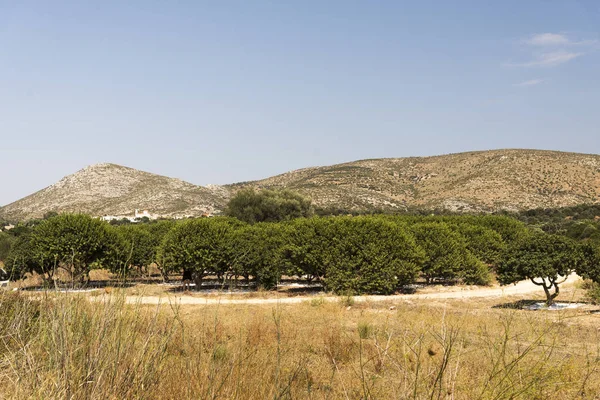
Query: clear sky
x=226, y=91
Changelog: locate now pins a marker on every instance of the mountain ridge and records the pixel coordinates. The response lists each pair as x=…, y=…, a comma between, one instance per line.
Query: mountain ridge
x=488, y=180
x=112, y=189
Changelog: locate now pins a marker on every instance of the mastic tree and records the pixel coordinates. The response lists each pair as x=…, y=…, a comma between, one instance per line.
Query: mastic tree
x=368, y=255
x=199, y=246
x=22, y=260
x=446, y=254
x=546, y=260
x=256, y=250
x=76, y=243
x=253, y=206
x=139, y=246
x=305, y=247
x=590, y=266
x=158, y=230
x=6, y=242
x=484, y=243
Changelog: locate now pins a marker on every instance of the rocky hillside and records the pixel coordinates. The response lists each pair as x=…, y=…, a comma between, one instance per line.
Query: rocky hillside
x=474, y=181
x=109, y=189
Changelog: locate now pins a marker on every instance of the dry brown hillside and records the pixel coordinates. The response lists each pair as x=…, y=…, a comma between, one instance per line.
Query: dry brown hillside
x=480, y=181
x=109, y=189
x=483, y=180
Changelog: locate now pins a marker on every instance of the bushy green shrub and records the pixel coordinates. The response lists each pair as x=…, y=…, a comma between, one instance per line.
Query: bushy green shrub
x=6, y=242
x=198, y=245
x=255, y=250
x=369, y=255
x=542, y=258
x=253, y=206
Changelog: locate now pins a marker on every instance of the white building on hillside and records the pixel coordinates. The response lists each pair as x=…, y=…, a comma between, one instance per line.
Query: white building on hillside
x=137, y=216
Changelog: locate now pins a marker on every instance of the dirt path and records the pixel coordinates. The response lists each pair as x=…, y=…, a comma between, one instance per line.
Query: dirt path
x=523, y=287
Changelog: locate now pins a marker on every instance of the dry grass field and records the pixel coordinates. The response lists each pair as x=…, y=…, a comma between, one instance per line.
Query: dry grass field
x=64, y=346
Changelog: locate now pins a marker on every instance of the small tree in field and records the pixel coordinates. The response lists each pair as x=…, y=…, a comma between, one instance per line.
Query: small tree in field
x=139, y=246
x=22, y=259
x=546, y=260
x=75, y=243
x=198, y=246
x=305, y=248
x=590, y=267
x=158, y=230
x=447, y=256
x=256, y=250
x=368, y=255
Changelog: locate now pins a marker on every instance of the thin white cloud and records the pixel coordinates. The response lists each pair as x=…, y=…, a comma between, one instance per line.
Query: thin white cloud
x=548, y=39
x=553, y=49
x=555, y=40
x=531, y=82
x=551, y=59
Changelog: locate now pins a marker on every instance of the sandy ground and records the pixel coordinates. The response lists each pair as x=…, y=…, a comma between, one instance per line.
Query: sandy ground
x=523, y=287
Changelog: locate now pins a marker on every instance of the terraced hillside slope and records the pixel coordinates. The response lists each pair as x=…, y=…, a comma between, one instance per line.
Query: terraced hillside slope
x=474, y=181
x=109, y=189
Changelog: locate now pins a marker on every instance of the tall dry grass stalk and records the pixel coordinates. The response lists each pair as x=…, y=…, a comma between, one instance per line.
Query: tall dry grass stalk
x=59, y=347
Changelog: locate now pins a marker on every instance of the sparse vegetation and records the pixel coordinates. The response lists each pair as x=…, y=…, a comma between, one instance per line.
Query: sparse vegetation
x=489, y=181
x=68, y=347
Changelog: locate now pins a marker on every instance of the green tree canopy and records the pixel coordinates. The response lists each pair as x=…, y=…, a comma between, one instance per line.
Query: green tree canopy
x=139, y=246
x=368, y=255
x=546, y=260
x=590, y=267
x=484, y=243
x=256, y=250
x=21, y=259
x=305, y=247
x=198, y=245
x=446, y=254
x=76, y=243
x=158, y=230
x=253, y=206
x=6, y=242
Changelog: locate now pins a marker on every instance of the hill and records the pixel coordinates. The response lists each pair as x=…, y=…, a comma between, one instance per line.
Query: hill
x=474, y=181
x=109, y=189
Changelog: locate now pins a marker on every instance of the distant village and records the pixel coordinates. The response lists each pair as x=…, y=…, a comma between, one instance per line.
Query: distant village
x=136, y=217
x=144, y=215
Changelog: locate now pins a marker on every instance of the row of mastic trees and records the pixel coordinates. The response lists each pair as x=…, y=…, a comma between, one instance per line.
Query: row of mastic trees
x=361, y=254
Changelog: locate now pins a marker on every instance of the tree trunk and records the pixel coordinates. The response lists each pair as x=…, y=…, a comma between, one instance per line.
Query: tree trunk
x=550, y=296
x=547, y=286
x=198, y=280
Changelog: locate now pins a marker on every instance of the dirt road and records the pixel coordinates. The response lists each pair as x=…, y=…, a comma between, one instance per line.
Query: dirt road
x=523, y=287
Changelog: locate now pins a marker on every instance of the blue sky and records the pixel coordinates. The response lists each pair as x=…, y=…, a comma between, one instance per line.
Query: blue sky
x=219, y=92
